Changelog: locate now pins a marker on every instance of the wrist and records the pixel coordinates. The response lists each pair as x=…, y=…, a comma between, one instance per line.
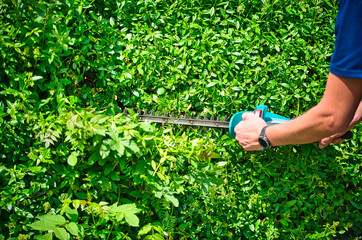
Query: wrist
x=264, y=141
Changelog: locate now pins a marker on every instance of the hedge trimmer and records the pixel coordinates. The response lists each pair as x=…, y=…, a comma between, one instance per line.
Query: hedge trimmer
x=261, y=111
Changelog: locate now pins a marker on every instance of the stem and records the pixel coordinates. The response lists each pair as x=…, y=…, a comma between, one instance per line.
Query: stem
x=298, y=106
x=156, y=169
x=109, y=234
x=93, y=220
x=125, y=235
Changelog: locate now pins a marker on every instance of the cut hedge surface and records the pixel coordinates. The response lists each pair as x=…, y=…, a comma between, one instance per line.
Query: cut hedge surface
x=73, y=168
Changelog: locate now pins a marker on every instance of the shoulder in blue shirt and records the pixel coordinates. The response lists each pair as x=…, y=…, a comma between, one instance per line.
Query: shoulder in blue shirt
x=347, y=56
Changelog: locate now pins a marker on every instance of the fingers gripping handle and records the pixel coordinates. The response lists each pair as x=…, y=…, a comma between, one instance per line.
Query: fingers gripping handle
x=260, y=111
x=270, y=118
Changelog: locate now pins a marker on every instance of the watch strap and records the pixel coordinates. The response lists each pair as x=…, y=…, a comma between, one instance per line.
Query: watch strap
x=264, y=138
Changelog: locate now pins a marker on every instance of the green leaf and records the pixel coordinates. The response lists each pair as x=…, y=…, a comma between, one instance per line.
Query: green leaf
x=42, y=226
x=101, y=162
x=252, y=227
x=108, y=169
x=133, y=146
x=65, y=81
x=104, y=151
x=48, y=236
x=54, y=219
x=111, y=21
x=99, y=118
x=291, y=203
x=355, y=205
x=145, y=229
x=72, y=213
x=47, y=222
x=72, y=159
x=147, y=126
x=156, y=236
x=94, y=158
x=161, y=91
x=158, y=194
x=72, y=228
x=211, y=84
x=284, y=222
x=112, y=132
x=128, y=209
x=119, y=217
x=119, y=147
x=132, y=220
x=172, y=199
x=35, y=78
x=153, y=165
x=61, y=234
x=135, y=92
x=128, y=75
x=99, y=130
x=114, y=176
x=136, y=194
x=212, y=11
x=80, y=195
x=222, y=163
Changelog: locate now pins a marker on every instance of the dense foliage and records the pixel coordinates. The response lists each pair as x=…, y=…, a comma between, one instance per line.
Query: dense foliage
x=71, y=167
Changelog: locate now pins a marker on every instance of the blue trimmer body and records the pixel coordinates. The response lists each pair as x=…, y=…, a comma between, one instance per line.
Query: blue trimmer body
x=261, y=111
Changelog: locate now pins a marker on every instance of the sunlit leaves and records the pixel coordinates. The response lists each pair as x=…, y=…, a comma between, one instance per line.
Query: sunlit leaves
x=70, y=67
x=48, y=222
x=72, y=228
x=61, y=233
x=125, y=211
x=72, y=159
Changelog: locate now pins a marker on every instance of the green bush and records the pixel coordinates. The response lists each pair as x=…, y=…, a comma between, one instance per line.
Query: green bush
x=72, y=167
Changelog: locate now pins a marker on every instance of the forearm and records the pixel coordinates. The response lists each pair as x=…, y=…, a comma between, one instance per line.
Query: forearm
x=339, y=107
x=310, y=127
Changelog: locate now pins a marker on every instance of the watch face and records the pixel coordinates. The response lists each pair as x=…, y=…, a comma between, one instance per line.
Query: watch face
x=263, y=143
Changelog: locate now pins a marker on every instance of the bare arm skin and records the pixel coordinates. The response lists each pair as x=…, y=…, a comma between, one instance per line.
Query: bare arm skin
x=335, y=138
x=333, y=114
x=357, y=117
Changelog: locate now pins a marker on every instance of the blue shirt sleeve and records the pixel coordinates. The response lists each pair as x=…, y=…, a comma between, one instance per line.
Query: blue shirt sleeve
x=346, y=60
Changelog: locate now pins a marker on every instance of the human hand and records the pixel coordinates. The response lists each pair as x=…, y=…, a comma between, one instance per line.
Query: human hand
x=335, y=139
x=248, y=131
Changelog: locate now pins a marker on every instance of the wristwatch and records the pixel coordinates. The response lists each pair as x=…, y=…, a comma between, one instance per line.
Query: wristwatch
x=263, y=139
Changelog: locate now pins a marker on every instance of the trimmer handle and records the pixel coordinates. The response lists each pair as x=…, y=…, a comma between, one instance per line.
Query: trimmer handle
x=347, y=135
x=270, y=118
x=262, y=112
